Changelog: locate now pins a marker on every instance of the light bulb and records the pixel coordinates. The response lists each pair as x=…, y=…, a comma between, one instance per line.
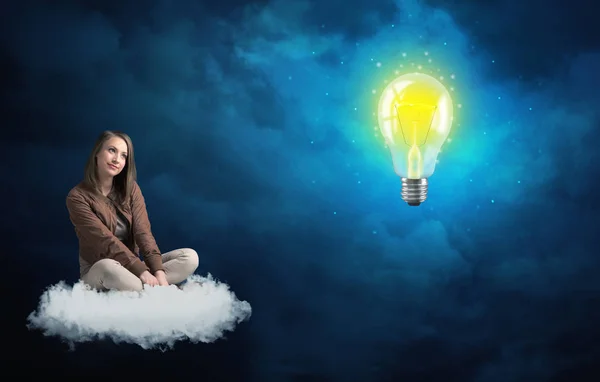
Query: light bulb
x=415, y=116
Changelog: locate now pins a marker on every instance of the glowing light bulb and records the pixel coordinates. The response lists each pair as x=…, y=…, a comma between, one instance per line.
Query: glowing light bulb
x=415, y=115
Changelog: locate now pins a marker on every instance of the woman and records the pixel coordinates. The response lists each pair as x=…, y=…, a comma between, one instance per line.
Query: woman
x=109, y=214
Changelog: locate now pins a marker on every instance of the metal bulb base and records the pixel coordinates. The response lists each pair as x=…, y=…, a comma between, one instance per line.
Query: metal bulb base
x=414, y=191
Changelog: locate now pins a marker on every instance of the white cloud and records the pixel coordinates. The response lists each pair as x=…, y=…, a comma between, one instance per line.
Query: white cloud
x=158, y=317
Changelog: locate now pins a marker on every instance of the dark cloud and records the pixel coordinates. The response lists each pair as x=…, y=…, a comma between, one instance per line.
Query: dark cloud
x=361, y=19
x=533, y=39
x=256, y=144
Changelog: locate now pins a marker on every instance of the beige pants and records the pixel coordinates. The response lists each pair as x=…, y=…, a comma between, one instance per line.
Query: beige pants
x=110, y=274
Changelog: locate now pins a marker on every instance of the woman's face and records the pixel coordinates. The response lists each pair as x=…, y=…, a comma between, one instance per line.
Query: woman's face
x=112, y=157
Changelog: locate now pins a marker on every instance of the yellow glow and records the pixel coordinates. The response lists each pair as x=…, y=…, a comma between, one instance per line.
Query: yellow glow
x=415, y=116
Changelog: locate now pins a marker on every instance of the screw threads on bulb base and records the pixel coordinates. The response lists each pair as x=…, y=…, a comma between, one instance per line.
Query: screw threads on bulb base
x=414, y=191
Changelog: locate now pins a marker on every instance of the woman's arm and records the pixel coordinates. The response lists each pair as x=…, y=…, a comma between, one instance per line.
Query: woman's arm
x=142, y=231
x=98, y=241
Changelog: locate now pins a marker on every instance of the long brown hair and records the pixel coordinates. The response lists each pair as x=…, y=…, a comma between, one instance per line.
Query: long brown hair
x=123, y=182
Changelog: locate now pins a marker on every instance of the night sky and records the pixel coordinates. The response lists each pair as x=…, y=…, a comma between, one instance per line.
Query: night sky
x=257, y=145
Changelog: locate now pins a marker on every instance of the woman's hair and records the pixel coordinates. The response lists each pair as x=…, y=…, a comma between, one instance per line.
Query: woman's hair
x=123, y=182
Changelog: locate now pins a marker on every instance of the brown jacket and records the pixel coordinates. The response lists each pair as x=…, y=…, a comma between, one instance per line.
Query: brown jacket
x=95, y=219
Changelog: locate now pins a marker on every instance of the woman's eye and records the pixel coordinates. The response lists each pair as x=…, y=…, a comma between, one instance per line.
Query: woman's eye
x=111, y=150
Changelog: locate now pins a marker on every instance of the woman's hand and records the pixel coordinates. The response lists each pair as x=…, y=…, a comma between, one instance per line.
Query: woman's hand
x=147, y=278
x=162, y=278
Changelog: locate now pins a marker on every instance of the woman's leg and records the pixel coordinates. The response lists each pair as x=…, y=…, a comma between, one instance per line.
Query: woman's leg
x=110, y=274
x=179, y=264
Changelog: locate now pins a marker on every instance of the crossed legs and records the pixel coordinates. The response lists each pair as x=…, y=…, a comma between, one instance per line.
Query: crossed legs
x=109, y=274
